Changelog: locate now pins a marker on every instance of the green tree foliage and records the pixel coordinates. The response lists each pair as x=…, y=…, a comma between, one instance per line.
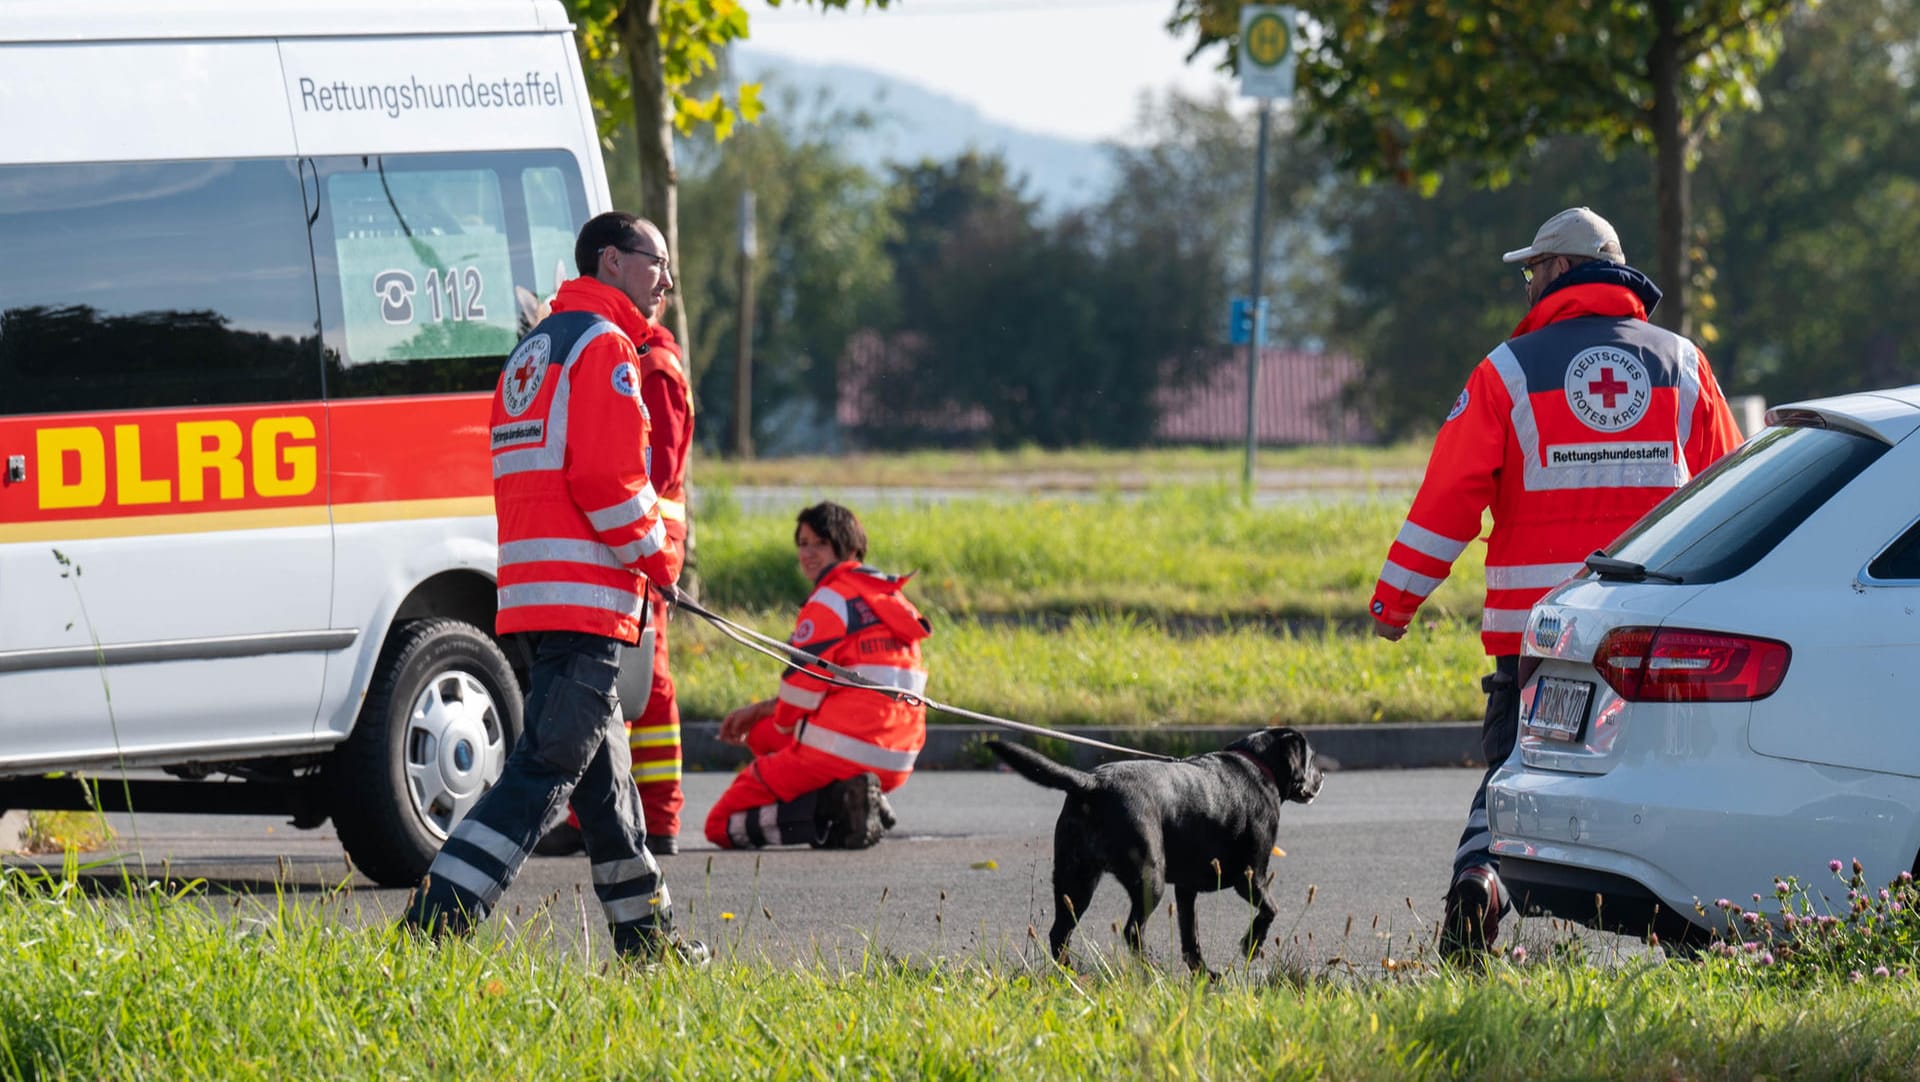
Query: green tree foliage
x=1056, y=333
x=821, y=272
x=1412, y=90
x=642, y=60
x=1814, y=204
x=1423, y=293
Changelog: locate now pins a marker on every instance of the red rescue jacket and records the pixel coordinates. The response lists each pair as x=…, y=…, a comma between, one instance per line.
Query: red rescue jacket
x=579, y=522
x=1569, y=431
x=857, y=617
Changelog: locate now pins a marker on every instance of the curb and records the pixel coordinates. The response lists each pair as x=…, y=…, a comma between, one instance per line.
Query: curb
x=1387, y=746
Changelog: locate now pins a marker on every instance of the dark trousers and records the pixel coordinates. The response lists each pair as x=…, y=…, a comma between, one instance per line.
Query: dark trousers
x=575, y=746
x=1498, y=731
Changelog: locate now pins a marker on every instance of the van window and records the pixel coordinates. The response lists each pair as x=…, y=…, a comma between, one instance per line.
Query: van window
x=145, y=285
x=1731, y=516
x=424, y=261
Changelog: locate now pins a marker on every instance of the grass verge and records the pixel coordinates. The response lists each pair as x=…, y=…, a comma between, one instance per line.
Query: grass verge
x=1176, y=552
x=157, y=985
x=1123, y=671
x=1035, y=468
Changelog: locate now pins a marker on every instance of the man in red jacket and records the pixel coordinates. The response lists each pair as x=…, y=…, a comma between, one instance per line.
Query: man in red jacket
x=580, y=541
x=1569, y=431
x=653, y=735
x=825, y=755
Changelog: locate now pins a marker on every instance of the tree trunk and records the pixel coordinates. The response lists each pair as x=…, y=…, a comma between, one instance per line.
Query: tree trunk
x=639, y=29
x=1672, y=182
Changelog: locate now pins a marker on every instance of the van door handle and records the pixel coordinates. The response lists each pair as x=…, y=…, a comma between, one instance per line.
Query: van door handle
x=16, y=469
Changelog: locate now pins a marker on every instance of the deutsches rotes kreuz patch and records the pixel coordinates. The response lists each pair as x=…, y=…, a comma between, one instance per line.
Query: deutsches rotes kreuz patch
x=526, y=370
x=803, y=633
x=1608, y=388
x=1459, y=407
x=626, y=380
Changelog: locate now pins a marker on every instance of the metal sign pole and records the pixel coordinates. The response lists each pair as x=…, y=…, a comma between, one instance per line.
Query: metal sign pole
x=1256, y=309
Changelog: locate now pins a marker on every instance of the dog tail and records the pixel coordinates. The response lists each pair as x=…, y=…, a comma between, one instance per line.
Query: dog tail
x=1041, y=770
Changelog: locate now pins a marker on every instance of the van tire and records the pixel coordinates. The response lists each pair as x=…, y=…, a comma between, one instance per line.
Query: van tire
x=440, y=717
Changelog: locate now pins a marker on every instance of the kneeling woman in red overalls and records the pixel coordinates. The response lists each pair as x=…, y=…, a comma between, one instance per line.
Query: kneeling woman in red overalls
x=824, y=755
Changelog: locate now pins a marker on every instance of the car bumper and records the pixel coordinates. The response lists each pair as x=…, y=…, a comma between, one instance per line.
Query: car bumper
x=1676, y=835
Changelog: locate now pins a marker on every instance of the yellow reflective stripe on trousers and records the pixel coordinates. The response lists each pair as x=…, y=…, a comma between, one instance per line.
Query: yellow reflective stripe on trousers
x=659, y=736
x=664, y=770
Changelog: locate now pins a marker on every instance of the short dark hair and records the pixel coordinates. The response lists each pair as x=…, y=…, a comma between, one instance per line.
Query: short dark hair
x=616, y=228
x=836, y=526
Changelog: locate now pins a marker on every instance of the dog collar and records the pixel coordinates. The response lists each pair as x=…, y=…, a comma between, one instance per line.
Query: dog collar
x=1264, y=768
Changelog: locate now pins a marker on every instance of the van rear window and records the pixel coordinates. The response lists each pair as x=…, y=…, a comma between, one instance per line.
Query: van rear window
x=1731, y=516
x=154, y=284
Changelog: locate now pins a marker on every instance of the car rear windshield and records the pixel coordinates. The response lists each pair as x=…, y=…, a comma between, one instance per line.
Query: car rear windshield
x=1737, y=511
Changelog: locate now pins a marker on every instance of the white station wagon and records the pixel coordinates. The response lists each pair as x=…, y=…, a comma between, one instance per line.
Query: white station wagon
x=1730, y=692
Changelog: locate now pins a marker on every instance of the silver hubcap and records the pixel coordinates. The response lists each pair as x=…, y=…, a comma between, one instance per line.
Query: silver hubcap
x=455, y=748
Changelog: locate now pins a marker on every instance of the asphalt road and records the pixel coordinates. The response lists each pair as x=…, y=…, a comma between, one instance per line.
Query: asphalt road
x=965, y=874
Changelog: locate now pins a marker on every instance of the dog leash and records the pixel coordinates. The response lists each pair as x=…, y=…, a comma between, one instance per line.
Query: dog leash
x=839, y=676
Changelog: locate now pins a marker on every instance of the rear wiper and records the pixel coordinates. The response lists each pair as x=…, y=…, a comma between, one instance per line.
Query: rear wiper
x=1608, y=567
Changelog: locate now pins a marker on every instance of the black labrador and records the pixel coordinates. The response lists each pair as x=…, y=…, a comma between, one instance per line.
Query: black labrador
x=1199, y=824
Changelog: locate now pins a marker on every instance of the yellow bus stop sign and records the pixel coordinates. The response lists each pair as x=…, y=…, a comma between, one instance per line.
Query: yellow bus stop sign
x=1266, y=52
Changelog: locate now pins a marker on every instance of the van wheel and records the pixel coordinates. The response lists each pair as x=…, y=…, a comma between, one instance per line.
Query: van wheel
x=441, y=715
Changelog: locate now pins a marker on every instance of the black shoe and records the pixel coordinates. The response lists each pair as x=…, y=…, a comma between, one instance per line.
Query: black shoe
x=663, y=845
x=670, y=950
x=848, y=814
x=888, y=820
x=1472, y=920
x=561, y=841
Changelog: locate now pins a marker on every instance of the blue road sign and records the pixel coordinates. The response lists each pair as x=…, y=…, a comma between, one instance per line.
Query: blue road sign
x=1239, y=326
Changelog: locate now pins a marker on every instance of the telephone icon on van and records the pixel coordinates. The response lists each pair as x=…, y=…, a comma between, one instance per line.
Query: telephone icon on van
x=395, y=288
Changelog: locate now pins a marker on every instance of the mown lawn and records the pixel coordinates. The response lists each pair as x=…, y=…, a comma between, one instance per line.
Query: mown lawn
x=154, y=987
x=1035, y=468
x=1181, y=606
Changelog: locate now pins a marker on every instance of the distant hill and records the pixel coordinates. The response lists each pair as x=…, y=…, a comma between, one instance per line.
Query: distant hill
x=912, y=123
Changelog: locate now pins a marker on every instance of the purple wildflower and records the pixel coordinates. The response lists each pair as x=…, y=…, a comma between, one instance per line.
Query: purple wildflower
x=1880, y=971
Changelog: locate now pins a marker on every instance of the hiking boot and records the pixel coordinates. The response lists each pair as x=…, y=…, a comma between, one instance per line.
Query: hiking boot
x=848, y=814
x=888, y=820
x=1472, y=920
x=663, y=845
x=561, y=841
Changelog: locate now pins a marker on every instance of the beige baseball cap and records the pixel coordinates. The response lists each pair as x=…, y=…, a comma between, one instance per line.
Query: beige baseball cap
x=1574, y=231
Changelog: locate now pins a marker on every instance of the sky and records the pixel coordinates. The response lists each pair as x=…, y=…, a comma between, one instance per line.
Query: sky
x=1073, y=68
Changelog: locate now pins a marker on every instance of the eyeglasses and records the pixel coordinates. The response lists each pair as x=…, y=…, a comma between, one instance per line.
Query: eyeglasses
x=659, y=261
x=1527, y=269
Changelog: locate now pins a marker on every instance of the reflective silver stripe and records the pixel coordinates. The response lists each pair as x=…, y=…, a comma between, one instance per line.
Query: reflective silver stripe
x=894, y=677
x=1427, y=543
x=626, y=512
x=1514, y=620
x=857, y=751
x=572, y=593
x=737, y=829
x=620, y=871
x=552, y=454
x=1690, y=389
x=465, y=876
x=1401, y=578
x=1529, y=576
x=489, y=841
x=832, y=600
x=628, y=910
x=770, y=823
x=558, y=550
x=1535, y=475
x=651, y=542
x=800, y=697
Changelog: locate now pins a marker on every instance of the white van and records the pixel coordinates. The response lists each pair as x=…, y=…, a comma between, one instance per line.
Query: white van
x=259, y=272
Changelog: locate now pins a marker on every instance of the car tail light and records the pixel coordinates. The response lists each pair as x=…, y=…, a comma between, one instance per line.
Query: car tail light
x=1678, y=665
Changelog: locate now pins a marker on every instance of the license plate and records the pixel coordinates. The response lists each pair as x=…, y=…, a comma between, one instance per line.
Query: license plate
x=1559, y=708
